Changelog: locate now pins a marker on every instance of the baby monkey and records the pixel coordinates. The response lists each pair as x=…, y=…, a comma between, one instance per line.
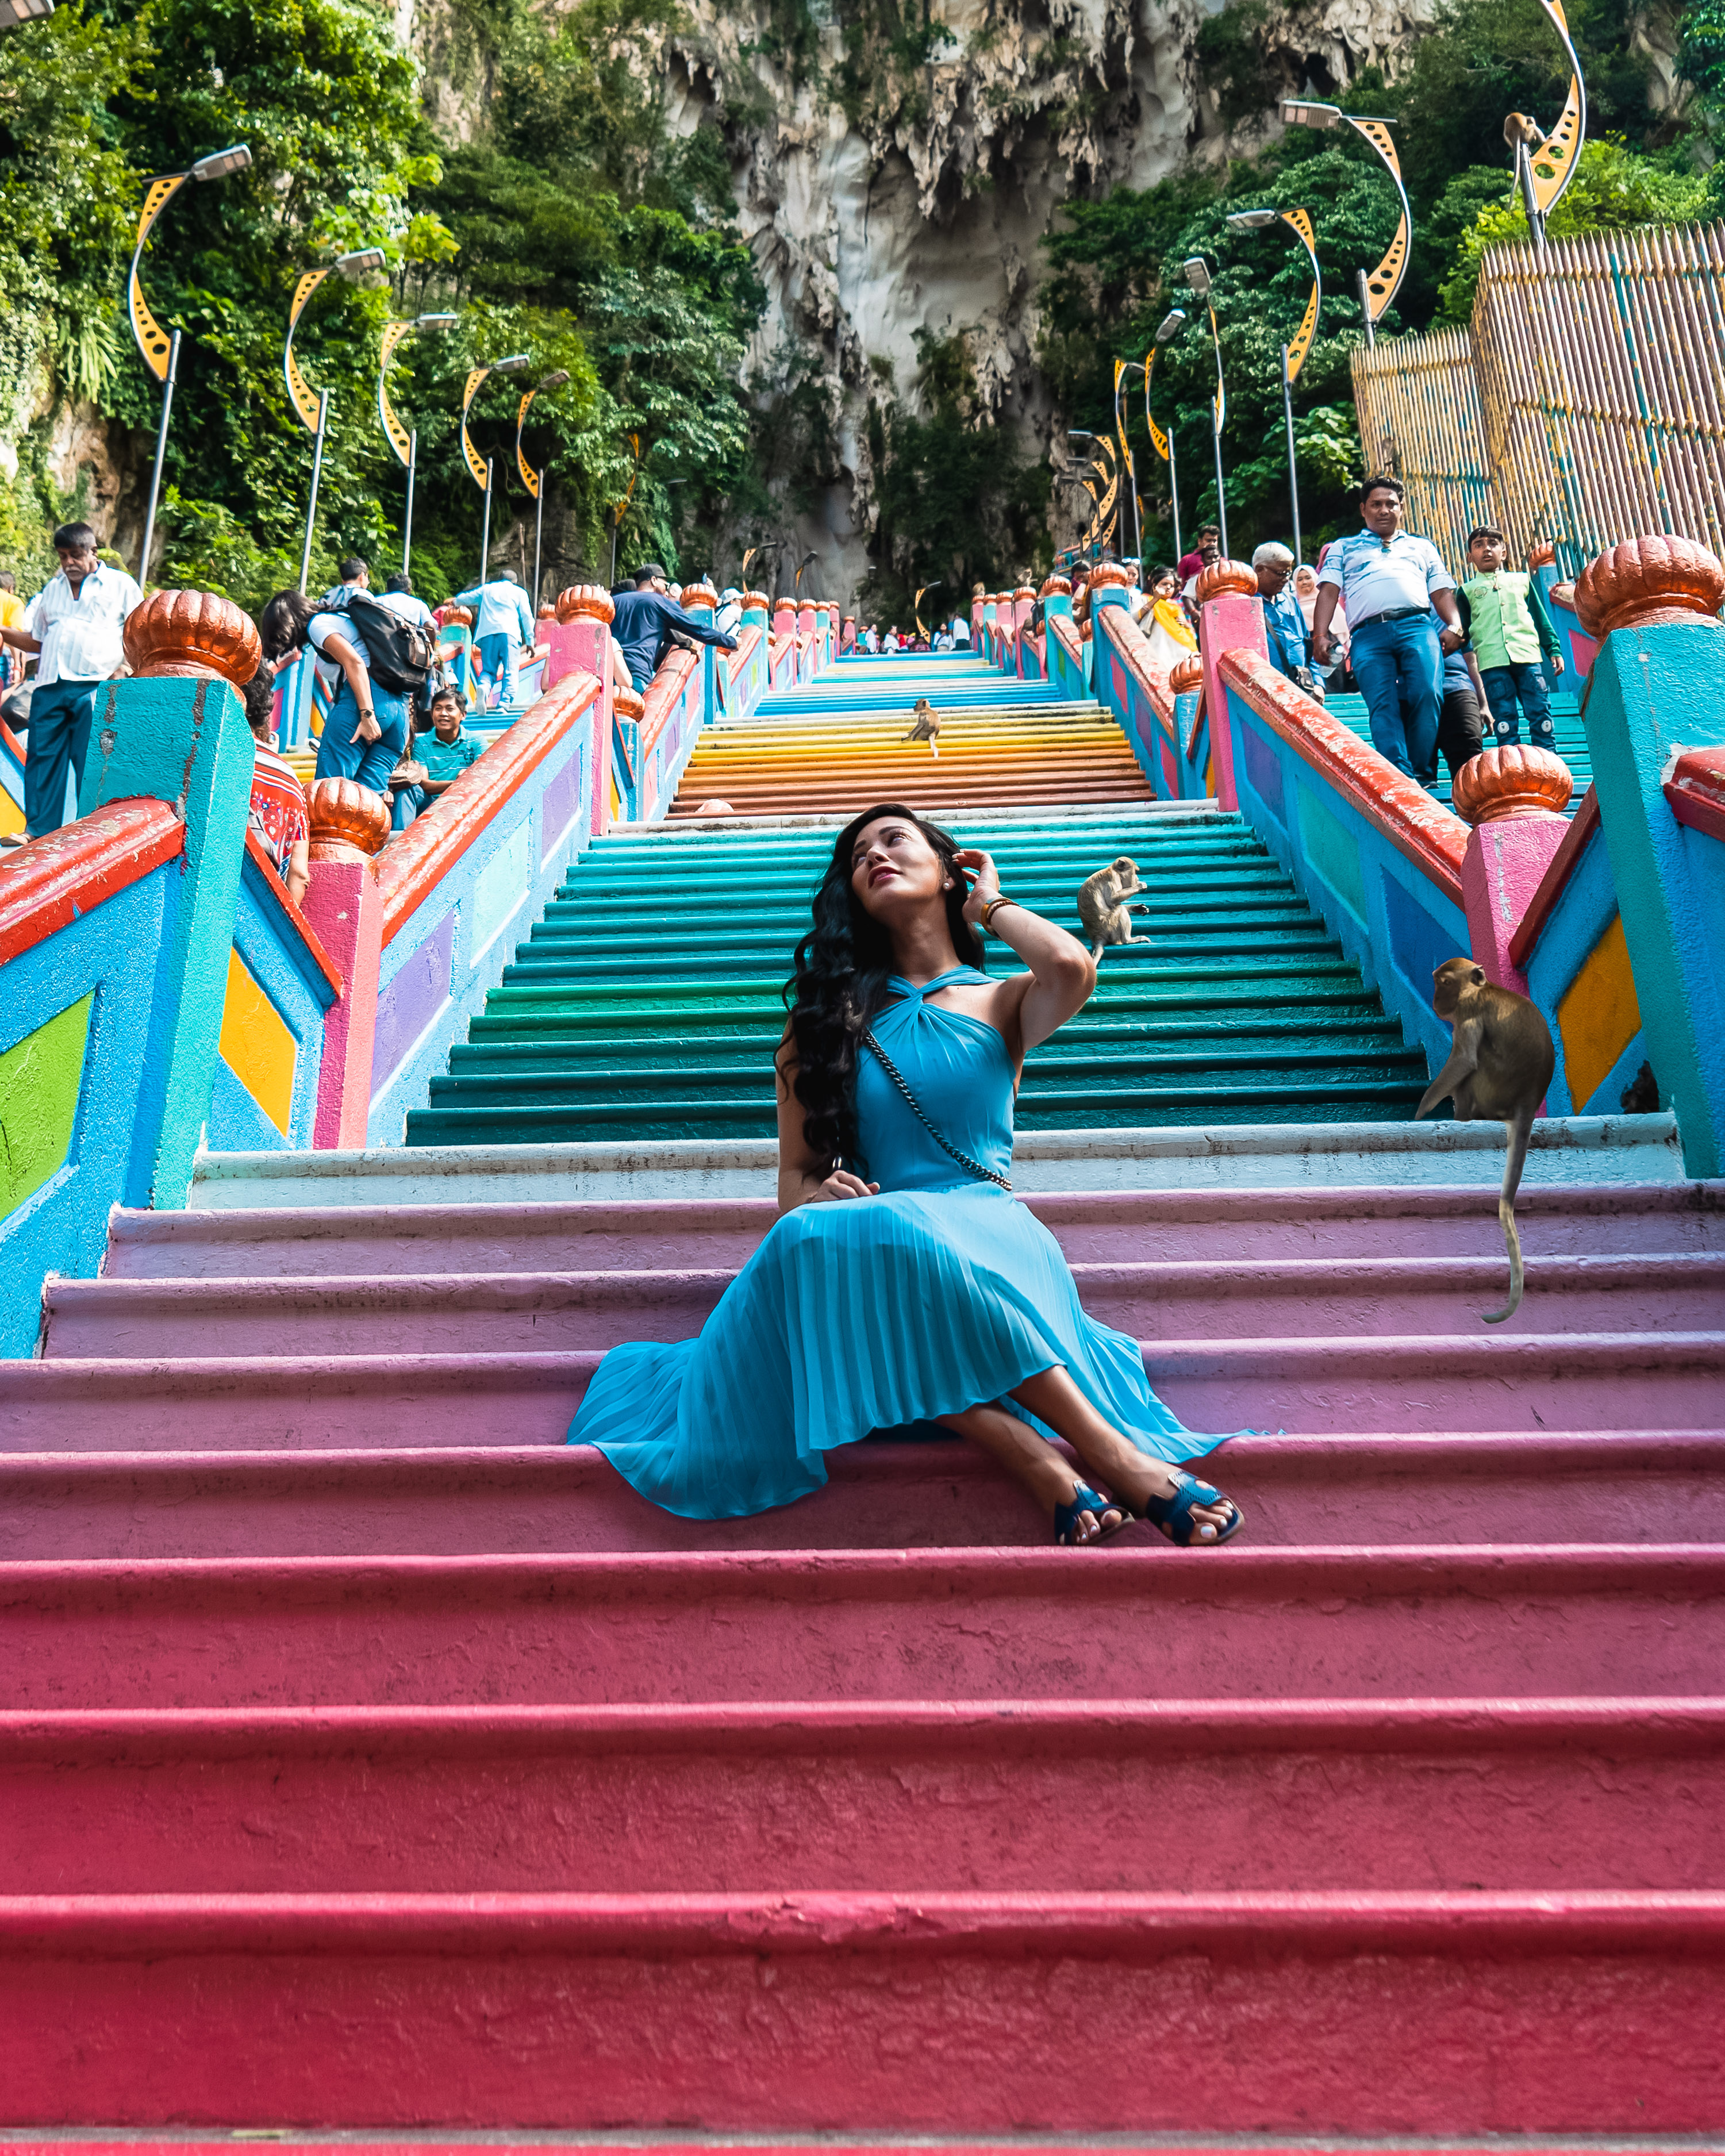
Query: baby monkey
x=926, y=725
x=1499, y=1065
x=1102, y=906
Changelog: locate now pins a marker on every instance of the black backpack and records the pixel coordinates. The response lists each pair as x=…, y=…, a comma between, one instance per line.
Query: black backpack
x=399, y=653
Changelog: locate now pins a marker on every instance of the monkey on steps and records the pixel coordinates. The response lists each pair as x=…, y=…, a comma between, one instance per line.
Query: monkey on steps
x=1499, y=1065
x=1101, y=907
x=926, y=725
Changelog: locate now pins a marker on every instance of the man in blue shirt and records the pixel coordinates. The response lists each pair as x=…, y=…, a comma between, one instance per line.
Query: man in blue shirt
x=1400, y=603
x=1285, y=630
x=503, y=623
x=646, y=616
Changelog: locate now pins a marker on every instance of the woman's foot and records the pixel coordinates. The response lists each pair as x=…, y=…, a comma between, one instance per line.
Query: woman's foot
x=1086, y=1515
x=1144, y=1485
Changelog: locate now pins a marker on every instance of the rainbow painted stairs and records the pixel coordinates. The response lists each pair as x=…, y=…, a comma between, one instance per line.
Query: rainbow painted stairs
x=370, y=1760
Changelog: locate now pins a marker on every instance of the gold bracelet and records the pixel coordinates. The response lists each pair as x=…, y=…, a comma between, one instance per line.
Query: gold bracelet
x=992, y=907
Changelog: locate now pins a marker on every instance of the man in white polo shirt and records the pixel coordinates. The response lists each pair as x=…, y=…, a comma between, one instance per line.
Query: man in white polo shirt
x=73, y=624
x=1393, y=586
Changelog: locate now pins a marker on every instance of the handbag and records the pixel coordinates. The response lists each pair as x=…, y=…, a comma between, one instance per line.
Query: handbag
x=970, y=1166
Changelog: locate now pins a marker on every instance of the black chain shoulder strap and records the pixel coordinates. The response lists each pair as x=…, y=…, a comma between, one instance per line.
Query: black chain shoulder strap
x=970, y=1166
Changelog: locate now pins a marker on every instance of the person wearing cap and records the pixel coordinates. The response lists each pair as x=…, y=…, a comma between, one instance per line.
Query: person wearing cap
x=645, y=618
x=729, y=617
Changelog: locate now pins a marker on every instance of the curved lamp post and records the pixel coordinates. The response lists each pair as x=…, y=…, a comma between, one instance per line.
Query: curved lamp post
x=313, y=414
x=480, y=467
x=15, y=14
x=1166, y=330
x=1198, y=276
x=1545, y=164
x=405, y=446
x=161, y=352
x=1293, y=356
x=1378, y=287
x=535, y=481
x=1127, y=465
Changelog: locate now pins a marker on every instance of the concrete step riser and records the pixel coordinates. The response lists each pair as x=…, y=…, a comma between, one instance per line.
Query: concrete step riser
x=932, y=1799
x=1121, y=1623
x=1529, y=1385
x=454, y=1313
x=859, y=2012
x=1635, y=1489
x=1238, y=1228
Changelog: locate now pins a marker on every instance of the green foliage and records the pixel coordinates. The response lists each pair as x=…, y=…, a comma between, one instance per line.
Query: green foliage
x=955, y=504
x=1232, y=61
x=1613, y=190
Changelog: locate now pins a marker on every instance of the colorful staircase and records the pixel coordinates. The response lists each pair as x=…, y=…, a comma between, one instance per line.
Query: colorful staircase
x=370, y=1759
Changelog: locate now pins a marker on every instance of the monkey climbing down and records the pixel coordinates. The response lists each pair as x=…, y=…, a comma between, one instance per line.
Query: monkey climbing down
x=1501, y=1064
x=926, y=725
x=1102, y=907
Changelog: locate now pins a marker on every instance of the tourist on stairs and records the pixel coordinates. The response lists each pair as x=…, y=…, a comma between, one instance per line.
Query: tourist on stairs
x=645, y=619
x=365, y=734
x=902, y=1284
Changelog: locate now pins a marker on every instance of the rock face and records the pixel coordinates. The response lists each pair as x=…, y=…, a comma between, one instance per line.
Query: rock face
x=881, y=198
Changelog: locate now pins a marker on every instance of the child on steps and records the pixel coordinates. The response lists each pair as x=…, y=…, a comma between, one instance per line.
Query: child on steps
x=1504, y=614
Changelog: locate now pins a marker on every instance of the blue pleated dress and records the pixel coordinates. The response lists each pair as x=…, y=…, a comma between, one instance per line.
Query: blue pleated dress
x=941, y=1294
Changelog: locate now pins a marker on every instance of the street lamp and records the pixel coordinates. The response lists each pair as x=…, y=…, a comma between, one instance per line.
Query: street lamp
x=480, y=467
x=1131, y=476
x=314, y=416
x=1197, y=272
x=1166, y=330
x=405, y=446
x=1293, y=357
x=15, y=14
x=535, y=481
x=1097, y=470
x=161, y=352
x=1545, y=164
x=1378, y=287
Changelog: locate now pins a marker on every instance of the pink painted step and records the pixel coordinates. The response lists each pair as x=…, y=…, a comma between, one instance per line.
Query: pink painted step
x=1628, y=1487
x=1324, y=1387
x=1126, y=1621
x=1578, y=1220
x=1470, y=1795
x=1358, y=2013
x=501, y=1313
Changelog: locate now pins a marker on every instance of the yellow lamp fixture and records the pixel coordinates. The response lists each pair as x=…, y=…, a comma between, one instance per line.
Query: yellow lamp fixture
x=1378, y=287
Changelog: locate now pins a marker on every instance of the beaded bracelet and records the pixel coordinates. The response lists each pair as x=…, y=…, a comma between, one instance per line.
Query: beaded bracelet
x=992, y=907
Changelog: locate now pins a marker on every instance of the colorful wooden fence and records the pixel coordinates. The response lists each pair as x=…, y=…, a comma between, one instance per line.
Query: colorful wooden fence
x=1585, y=403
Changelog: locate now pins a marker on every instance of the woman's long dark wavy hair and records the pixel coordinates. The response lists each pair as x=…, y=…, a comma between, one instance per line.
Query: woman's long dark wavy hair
x=843, y=965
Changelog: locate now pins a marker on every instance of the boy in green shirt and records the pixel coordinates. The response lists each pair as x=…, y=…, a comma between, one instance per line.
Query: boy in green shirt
x=1504, y=615
x=437, y=760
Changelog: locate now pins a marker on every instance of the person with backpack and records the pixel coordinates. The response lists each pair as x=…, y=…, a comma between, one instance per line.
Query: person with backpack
x=382, y=663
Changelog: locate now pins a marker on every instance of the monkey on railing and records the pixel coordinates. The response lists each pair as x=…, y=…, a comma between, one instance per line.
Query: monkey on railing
x=1501, y=1064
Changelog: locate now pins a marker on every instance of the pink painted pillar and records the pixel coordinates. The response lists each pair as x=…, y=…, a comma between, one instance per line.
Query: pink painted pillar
x=1230, y=617
x=847, y=638
x=584, y=641
x=1024, y=601
x=977, y=606
x=784, y=618
x=346, y=908
x=1510, y=797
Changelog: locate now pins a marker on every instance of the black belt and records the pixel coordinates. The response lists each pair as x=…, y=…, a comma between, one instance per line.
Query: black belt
x=1394, y=614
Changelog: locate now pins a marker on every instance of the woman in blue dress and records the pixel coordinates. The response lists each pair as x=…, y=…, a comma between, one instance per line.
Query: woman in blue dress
x=901, y=1283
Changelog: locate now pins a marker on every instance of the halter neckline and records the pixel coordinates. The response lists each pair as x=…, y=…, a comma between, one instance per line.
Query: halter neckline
x=940, y=981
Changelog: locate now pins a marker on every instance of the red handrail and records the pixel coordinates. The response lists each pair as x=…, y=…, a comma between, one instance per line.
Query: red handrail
x=46, y=885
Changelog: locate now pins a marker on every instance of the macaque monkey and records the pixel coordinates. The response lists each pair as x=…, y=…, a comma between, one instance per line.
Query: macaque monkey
x=926, y=725
x=1101, y=907
x=1499, y=1065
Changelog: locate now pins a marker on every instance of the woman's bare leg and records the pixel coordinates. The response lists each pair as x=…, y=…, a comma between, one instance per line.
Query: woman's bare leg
x=1116, y=1463
x=1032, y=1462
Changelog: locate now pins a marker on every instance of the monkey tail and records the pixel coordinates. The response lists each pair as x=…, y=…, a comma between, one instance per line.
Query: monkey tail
x=1519, y=1131
x=1506, y=1215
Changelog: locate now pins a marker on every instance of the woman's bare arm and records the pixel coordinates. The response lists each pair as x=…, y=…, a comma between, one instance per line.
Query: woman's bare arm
x=803, y=1180
x=1062, y=972
x=348, y=660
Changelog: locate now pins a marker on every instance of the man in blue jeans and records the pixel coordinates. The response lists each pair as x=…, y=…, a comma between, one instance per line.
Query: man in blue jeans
x=503, y=625
x=74, y=624
x=1391, y=583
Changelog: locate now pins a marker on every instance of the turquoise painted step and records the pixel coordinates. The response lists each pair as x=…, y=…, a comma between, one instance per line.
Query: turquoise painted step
x=1566, y=725
x=646, y=1001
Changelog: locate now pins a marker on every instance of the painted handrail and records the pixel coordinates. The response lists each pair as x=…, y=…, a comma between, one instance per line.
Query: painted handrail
x=412, y=866
x=1398, y=808
x=46, y=885
x=1694, y=786
x=278, y=890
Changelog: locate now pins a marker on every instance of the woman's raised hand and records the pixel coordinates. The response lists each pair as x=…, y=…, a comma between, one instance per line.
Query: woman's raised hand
x=842, y=1184
x=978, y=871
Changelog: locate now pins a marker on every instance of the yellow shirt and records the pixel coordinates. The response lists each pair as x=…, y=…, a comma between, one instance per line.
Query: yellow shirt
x=11, y=610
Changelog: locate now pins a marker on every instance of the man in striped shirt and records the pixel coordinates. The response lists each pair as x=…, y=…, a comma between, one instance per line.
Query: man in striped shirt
x=74, y=624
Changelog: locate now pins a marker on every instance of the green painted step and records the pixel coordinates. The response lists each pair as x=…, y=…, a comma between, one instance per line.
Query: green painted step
x=645, y=1002
x=1566, y=727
